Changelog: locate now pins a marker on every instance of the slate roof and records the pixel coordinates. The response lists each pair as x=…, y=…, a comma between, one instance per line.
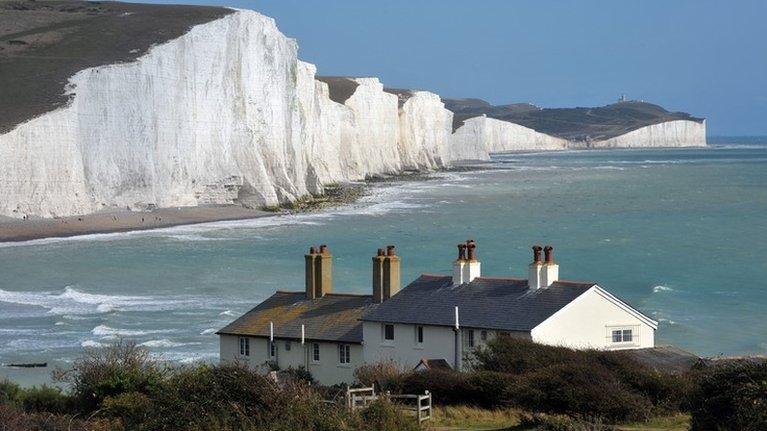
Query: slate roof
x=494, y=303
x=334, y=317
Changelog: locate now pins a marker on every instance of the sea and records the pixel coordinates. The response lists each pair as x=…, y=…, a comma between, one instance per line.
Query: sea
x=681, y=234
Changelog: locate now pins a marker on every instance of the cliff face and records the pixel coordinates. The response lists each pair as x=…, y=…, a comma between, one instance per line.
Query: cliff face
x=224, y=114
x=480, y=136
x=679, y=133
x=227, y=114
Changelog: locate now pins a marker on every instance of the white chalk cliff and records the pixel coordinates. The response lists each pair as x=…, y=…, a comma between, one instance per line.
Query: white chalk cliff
x=228, y=114
x=678, y=133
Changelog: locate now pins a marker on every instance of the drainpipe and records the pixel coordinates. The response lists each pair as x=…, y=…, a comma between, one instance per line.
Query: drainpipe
x=306, y=352
x=458, y=365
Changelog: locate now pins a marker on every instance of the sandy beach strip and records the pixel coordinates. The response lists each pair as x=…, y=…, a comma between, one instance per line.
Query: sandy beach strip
x=14, y=230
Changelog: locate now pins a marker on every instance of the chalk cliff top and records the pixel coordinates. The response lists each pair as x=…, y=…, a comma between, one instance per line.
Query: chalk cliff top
x=576, y=124
x=43, y=43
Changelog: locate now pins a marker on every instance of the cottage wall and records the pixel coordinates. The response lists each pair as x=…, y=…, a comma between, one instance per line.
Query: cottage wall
x=588, y=322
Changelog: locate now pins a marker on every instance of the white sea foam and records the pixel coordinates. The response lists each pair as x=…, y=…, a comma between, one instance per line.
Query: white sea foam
x=72, y=302
x=208, y=331
x=164, y=342
x=226, y=313
x=109, y=332
x=661, y=288
x=92, y=343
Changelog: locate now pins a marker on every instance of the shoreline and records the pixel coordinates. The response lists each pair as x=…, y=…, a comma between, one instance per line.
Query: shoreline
x=14, y=230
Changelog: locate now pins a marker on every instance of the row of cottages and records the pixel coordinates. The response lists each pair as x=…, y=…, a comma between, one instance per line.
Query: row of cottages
x=436, y=319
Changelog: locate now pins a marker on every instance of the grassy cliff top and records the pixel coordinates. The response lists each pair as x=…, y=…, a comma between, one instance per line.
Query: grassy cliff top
x=44, y=43
x=577, y=124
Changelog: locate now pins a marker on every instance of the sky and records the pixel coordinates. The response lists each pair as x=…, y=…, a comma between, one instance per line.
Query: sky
x=708, y=58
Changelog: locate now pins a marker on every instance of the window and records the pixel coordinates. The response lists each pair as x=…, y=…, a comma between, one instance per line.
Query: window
x=470, y=338
x=244, y=346
x=388, y=332
x=419, y=334
x=316, y=352
x=272, y=349
x=287, y=346
x=344, y=353
x=622, y=336
x=483, y=335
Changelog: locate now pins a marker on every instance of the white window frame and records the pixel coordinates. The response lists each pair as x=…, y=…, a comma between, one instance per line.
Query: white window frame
x=344, y=355
x=633, y=330
x=244, y=346
x=316, y=353
x=287, y=345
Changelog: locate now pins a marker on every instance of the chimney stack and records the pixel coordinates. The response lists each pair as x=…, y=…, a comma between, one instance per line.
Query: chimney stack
x=466, y=268
x=319, y=272
x=378, y=271
x=550, y=273
x=535, y=269
x=309, y=270
x=391, y=273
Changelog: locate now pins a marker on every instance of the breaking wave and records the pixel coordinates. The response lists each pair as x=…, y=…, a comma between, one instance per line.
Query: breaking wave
x=109, y=332
x=72, y=302
x=661, y=288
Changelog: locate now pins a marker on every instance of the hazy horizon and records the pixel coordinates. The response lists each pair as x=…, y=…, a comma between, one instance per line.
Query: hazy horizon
x=701, y=57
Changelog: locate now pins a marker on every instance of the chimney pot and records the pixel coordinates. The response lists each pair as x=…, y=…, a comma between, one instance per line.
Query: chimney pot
x=312, y=250
x=461, y=251
x=537, y=253
x=472, y=252
x=390, y=250
x=323, y=249
x=381, y=252
x=549, y=252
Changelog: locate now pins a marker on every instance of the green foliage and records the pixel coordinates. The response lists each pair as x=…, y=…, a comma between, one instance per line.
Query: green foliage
x=10, y=393
x=45, y=399
x=385, y=375
x=382, y=415
x=109, y=372
x=731, y=396
x=544, y=422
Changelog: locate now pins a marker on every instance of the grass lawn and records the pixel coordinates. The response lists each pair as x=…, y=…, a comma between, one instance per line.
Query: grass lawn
x=463, y=418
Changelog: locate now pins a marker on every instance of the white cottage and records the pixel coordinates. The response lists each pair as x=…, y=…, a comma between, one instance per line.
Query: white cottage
x=434, y=318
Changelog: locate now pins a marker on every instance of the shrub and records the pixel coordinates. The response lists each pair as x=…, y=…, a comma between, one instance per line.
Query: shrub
x=109, y=372
x=10, y=393
x=543, y=422
x=731, y=396
x=580, y=390
x=382, y=415
x=446, y=386
x=595, y=383
x=45, y=399
x=385, y=375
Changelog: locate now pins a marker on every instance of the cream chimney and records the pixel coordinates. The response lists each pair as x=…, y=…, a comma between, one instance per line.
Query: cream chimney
x=378, y=271
x=550, y=273
x=323, y=272
x=458, y=265
x=471, y=269
x=535, y=279
x=391, y=273
x=309, y=269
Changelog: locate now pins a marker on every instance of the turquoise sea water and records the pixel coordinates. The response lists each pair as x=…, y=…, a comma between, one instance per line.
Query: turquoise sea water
x=680, y=234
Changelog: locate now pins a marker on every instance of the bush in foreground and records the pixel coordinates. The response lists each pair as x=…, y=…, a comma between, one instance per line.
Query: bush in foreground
x=731, y=396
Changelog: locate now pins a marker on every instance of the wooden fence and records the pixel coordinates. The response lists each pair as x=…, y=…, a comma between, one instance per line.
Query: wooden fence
x=419, y=404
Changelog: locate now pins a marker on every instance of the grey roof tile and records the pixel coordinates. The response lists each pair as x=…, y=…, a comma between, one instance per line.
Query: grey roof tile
x=493, y=303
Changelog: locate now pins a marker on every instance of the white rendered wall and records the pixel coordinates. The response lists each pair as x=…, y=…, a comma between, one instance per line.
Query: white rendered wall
x=327, y=371
x=586, y=323
x=439, y=343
